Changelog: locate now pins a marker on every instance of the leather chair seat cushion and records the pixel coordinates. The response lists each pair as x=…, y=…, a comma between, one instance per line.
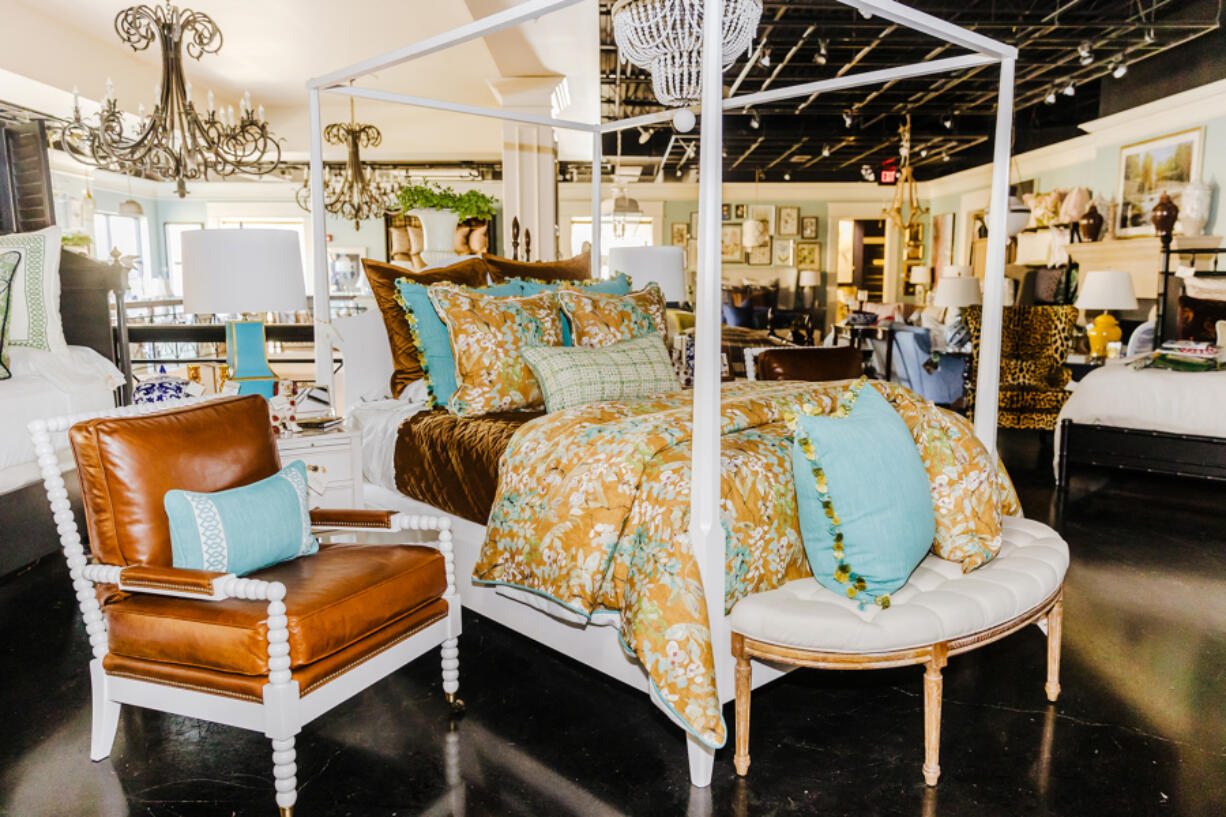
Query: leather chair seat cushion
x=938, y=603
x=333, y=599
x=811, y=363
x=309, y=677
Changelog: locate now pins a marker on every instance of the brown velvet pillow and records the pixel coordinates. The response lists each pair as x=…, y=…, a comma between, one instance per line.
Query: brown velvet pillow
x=578, y=268
x=382, y=277
x=1198, y=318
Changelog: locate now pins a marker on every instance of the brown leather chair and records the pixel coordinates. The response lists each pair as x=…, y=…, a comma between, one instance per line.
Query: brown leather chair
x=269, y=651
x=811, y=363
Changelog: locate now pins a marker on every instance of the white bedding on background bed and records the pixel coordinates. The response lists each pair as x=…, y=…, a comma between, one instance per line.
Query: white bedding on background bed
x=1116, y=394
x=44, y=385
x=379, y=422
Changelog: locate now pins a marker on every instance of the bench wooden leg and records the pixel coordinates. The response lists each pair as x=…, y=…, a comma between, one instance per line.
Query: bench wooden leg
x=932, y=713
x=744, y=686
x=1055, y=623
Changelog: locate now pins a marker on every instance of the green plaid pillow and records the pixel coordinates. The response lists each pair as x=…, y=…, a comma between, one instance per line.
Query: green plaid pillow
x=577, y=375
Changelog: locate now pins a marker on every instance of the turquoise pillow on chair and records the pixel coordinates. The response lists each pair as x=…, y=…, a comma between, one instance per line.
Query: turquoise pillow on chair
x=433, y=342
x=242, y=529
x=618, y=285
x=862, y=493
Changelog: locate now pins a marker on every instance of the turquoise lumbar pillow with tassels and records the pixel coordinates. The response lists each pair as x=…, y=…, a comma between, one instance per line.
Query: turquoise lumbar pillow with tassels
x=863, y=498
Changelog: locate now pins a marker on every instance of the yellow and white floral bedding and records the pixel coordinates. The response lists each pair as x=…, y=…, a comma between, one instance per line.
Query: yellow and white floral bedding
x=593, y=511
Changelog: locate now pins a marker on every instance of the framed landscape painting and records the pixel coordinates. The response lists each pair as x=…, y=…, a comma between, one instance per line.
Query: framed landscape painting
x=1148, y=169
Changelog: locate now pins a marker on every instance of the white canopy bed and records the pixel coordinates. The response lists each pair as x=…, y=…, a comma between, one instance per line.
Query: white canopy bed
x=598, y=646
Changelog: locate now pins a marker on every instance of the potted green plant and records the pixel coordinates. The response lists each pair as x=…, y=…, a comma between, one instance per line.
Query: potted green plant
x=440, y=209
x=78, y=242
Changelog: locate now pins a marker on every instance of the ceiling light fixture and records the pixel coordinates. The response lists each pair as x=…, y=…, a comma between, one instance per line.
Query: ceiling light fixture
x=1070, y=89
x=825, y=150
x=905, y=210
x=847, y=119
x=1050, y=99
x=765, y=59
x=755, y=121
x=867, y=173
x=1085, y=52
x=644, y=136
x=174, y=143
x=944, y=157
x=666, y=39
x=1119, y=68
x=923, y=153
x=947, y=121
x=821, y=56
x=787, y=175
x=1150, y=36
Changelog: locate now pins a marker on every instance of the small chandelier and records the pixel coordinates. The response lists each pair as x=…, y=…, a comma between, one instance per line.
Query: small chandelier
x=665, y=37
x=622, y=210
x=905, y=210
x=354, y=193
x=173, y=143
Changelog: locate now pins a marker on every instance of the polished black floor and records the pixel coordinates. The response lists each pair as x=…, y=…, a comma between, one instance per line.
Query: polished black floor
x=1139, y=730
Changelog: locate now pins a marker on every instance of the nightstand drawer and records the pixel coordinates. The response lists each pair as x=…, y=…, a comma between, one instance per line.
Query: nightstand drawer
x=338, y=462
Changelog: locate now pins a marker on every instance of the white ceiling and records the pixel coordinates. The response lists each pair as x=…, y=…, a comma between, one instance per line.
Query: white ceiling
x=271, y=47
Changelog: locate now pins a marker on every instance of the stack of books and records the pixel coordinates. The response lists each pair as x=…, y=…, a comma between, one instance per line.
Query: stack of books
x=1185, y=356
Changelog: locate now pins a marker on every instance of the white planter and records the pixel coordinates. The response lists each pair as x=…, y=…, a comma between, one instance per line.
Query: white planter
x=438, y=232
x=1194, y=208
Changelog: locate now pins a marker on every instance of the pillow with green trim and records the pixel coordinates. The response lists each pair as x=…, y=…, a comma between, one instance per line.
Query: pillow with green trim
x=578, y=375
x=8, y=270
x=862, y=495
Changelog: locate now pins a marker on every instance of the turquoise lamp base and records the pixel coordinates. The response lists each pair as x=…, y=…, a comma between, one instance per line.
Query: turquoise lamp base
x=247, y=359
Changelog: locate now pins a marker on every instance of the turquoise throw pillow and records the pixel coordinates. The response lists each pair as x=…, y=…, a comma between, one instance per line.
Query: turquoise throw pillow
x=619, y=285
x=242, y=529
x=433, y=343
x=863, y=497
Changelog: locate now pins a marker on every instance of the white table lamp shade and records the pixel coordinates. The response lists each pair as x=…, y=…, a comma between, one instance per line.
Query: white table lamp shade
x=1107, y=289
x=662, y=265
x=958, y=271
x=232, y=271
x=809, y=278
x=957, y=291
x=921, y=276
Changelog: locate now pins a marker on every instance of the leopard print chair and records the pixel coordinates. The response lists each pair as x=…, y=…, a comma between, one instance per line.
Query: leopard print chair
x=1035, y=342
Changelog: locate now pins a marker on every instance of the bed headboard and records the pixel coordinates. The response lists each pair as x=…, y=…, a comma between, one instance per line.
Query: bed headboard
x=86, y=287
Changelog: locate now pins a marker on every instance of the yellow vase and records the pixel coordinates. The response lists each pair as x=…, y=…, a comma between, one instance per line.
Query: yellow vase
x=1103, y=331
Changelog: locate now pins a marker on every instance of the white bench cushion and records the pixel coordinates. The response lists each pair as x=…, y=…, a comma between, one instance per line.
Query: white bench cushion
x=938, y=603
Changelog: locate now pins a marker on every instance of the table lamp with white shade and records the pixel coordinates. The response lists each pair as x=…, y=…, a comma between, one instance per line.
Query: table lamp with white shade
x=664, y=266
x=806, y=282
x=957, y=291
x=1105, y=290
x=920, y=277
x=242, y=272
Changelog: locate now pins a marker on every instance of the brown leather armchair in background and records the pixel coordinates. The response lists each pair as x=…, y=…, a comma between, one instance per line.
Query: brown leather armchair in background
x=270, y=651
x=811, y=363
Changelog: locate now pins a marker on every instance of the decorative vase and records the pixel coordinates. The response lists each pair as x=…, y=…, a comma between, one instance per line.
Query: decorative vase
x=1164, y=215
x=1196, y=199
x=1103, y=331
x=438, y=231
x=1091, y=224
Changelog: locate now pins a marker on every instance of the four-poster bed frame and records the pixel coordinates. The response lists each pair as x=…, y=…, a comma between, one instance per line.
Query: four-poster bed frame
x=600, y=649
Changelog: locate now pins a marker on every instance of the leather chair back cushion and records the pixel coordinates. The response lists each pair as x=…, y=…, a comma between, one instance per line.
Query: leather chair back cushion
x=814, y=364
x=127, y=464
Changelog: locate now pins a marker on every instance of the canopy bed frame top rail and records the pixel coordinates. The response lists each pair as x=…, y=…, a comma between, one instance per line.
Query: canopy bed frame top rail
x=706, y=536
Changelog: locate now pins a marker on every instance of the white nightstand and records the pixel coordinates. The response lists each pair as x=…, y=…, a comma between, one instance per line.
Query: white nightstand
x=338, y=451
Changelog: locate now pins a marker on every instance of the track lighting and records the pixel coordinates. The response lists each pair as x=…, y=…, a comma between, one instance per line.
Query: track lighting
x=1070, y=89
x=867, y=173
x=1050, y=99
x=765, y=59
x=923, y=153
x=821, y=56
x=825, y=150
x=755, y=121
x=644, y=136
x=1119, y=68
x=947, y=121
x=678, y=173
x=1150, y=36
x=944, y=157
x=1085, y=52
x=847, y=119
x=787, y=175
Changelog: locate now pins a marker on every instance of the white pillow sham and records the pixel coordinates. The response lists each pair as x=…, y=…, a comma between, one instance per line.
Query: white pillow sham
x=34, y=311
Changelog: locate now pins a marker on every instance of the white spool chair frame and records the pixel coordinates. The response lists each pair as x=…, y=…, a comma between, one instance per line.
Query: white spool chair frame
x=283, y=711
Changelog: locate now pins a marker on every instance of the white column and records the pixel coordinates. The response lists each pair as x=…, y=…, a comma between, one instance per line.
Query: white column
x=529, y=164
x=597, y=164
x=319, y=251
x=987, y=381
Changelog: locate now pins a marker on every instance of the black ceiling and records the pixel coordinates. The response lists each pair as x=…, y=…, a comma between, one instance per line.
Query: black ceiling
x=952, y=114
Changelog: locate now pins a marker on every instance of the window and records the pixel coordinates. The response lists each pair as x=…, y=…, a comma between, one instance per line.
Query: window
x=127, y=234
x=639, y=232
x=174, y=251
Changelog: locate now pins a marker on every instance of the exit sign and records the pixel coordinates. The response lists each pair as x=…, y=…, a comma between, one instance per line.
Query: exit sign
x=889, y=172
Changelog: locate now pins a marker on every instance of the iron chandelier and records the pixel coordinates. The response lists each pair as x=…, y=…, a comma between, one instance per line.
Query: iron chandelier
x=174, y=143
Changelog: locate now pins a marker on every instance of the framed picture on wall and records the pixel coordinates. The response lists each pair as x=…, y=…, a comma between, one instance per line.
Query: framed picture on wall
x=680, y=234
x=760, y=256
x=764, y=213
x=808, y=227
x=942, y=242
x=789, y=221
x=1148, y=169
x=808, y=255
x=345, y=274
x=782, y=251
x=739, y=211
x=730, y=246
x=725, y=212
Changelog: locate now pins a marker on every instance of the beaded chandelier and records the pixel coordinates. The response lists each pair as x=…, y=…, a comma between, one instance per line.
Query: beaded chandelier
x=665, y=37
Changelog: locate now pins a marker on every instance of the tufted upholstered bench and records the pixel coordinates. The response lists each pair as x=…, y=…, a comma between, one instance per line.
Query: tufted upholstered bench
x=939, y=612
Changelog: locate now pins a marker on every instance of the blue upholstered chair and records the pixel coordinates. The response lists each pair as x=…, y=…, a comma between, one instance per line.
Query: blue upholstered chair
x=912, y=347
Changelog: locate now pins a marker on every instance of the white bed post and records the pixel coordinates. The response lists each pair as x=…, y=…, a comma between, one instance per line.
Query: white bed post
x=987, y=389
x=597, y=164
x=706, y=533
x=319, y=253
